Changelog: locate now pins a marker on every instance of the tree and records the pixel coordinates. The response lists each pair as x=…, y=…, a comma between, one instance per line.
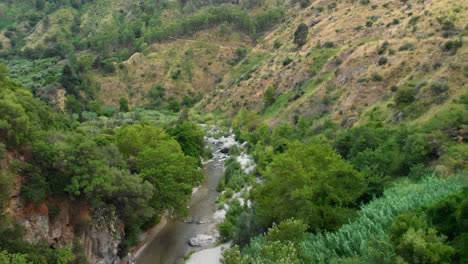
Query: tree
x=70, y=81
x=123, y=103
x=424, y=246
x=172, y=174
x=131, y=140
x=156, y=95
x=288, y=230
x=245, y=122
x=300, y=35
x=269, y=96
x=309, y=183
x=15, y=124
x=190, y=137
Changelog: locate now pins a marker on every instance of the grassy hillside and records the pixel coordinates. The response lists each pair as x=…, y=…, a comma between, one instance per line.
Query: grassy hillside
x=359, y=57
x=121, y=49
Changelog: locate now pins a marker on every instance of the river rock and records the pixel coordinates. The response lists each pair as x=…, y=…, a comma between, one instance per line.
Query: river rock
x=201, y=240
x=225, y=150
x=219, y=216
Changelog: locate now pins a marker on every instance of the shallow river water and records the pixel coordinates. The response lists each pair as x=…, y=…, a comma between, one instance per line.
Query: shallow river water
x=171, y=244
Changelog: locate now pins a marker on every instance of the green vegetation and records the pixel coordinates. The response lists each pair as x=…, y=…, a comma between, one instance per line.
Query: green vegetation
x=246, y=67
x=381, y=171
x=232, y=14
x=308, y=182
x=300, y=35
x=135, y=172
x=359, y=143
x=364, y=237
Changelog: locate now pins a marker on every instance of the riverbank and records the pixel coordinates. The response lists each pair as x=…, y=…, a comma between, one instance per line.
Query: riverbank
x=168, y=243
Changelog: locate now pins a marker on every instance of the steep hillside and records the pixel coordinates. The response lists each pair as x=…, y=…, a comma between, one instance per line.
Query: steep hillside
x=359, y=57
x=105, y=50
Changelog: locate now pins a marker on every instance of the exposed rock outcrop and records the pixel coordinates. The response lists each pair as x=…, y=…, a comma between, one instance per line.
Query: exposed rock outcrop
x=99, y=243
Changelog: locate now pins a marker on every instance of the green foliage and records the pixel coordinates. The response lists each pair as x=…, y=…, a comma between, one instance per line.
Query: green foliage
x=372, y=224
x=172, y=174
x=11, y=240
x=173, y=104
x=269, y=96
x=210, y=16
x=308, y=182
x=452, y=46
x=15, y=124
x=382, y=61
x=190, y=137
x=6, y=186
x=7, y=258
x=300, y=35
x=228, y=228
x=378, y=150
x=424, y=246
x=156, y=95
x=131, y=140
x=123, y=105
x=287, y=61
x=234, y=177
x=287, y=230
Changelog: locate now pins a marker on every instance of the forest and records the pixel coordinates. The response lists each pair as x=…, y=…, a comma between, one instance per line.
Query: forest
x=133, y=172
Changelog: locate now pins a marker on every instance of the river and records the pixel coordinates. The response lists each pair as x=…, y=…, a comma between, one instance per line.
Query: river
x=170, y=245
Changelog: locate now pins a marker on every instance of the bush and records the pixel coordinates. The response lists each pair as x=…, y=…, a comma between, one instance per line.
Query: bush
x=452, y=46
x=376, y=77
x=438, y=88
x=406, y=46
x=300, y=35
x=287, y=61
x=405, y=96
x=382, y=61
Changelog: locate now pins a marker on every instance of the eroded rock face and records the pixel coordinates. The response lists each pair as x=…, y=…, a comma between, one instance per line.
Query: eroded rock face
x=36, y=228
x=101, y=245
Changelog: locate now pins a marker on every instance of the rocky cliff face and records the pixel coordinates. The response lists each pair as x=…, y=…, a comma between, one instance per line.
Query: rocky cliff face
x=101, y=245
x=99, y=242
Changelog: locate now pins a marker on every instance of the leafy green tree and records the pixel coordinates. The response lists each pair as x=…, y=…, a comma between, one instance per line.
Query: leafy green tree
x=123, y=105
x=234, y=256
x=190, y=137
x=300, y=35
x=156, y=95
x=14, y=122
x=424, y=246
x=245, y=122
x=280, y=137
x=73, y=105
x=131, y=140
x=172, y=174
x=269, y=96
x=173, y=104
x=309, y=183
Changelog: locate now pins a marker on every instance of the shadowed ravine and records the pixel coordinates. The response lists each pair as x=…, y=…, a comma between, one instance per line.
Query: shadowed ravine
x=171, y=243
